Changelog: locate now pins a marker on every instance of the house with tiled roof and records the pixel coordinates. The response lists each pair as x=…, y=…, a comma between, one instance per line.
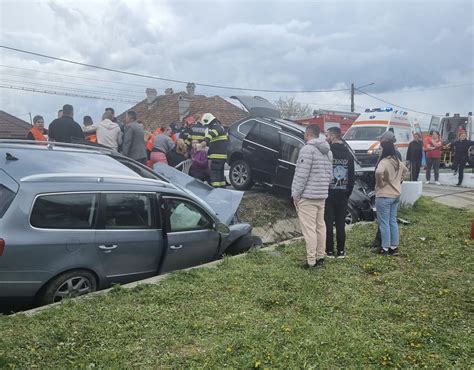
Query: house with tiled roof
x=12, y=127
x=155, y=111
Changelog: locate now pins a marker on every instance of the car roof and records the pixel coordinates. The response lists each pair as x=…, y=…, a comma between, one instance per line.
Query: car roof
x=27, y=162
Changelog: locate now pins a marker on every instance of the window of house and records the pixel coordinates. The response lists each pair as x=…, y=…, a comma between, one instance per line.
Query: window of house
x=64, y=211
x=129, y=211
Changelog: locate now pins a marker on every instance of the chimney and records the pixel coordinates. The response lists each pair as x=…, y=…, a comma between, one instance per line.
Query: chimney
x=190, y=88
x=168, y=91
x=151, y=95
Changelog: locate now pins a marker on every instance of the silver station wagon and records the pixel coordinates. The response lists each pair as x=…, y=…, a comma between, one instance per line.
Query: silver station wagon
x=75, y=219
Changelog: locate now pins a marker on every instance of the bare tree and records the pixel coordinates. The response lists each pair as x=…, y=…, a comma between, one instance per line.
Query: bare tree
x=291, y=109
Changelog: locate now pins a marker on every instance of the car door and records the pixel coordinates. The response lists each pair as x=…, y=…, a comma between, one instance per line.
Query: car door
x=191, y=237
x=260, y=149
x=129, y=239
x=289, y=150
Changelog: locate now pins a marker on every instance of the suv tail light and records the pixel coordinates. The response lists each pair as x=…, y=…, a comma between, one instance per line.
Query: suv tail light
x=2, y=246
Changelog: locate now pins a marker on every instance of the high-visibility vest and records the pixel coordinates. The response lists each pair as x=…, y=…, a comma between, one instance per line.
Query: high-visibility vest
x=217, y=140
x=37, y=134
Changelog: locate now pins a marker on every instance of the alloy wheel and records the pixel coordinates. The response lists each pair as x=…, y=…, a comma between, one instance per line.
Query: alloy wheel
x=73, y=287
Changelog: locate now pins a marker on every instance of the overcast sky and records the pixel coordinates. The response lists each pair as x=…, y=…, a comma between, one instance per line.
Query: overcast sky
x=412, y=50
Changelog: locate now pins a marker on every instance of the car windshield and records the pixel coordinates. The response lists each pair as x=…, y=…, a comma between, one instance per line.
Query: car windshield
x=365, y=132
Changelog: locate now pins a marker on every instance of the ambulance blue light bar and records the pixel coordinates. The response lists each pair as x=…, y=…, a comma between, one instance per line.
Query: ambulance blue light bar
x=387, y=109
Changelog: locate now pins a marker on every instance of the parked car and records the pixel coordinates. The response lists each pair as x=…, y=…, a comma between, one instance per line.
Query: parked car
x=75, y=219
x=264, y=148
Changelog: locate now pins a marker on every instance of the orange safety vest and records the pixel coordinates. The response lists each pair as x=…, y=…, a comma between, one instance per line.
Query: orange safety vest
x=92, y=138
x=37, y=134
x=151, y=140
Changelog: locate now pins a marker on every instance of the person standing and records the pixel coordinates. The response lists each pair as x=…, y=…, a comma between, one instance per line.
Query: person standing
x=109, y=132
x=197, y=131
x=133, y=138
x=90, y=131
x=162, y=145
x=309, y=190
x=389, y=174
x=65, y=129
x=340, y=189
x=461, y=154
x=217, y=140
x=415, y=155
x=37, y=131
x=432, y=147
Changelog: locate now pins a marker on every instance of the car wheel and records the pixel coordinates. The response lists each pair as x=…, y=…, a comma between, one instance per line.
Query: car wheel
x=244, y=244
x=351, y=216
x=241, y=175
x=68, y=285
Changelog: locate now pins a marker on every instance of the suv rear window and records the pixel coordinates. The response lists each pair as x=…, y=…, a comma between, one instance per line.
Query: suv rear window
x=6, y=198
x=64, y=211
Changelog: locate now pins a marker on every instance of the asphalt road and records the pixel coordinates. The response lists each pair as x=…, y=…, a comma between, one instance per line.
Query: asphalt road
x=453, y=196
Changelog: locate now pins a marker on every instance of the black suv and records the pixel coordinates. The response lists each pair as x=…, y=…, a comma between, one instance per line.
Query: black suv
x=264, y=148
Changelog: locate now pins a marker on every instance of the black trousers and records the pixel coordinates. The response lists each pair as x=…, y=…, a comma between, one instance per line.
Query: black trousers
x=415, y=169
x=432, y=163
x=461, y=163
x=335, y=214
x=217, y=173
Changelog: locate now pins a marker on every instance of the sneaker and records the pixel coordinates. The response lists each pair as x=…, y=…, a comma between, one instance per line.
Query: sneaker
x=319, y=263
x=330, y=254
x=458, y=184
x=341, y=254
x=437, y=183
x=393, y=252
x=307, y=266
x=427, y=182
x=384, y=252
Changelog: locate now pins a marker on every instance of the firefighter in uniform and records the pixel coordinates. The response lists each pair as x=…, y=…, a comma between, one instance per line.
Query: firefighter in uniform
x=217, y=140
x=196, y=131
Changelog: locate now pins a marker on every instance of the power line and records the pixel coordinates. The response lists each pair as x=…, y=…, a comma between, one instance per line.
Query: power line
x=396, y=105
x=436, y=87
x=67, y=82
x=165, y=79
x=62, y=93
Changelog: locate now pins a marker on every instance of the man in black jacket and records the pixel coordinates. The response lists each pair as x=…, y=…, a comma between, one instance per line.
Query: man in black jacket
x=414, y=155
x=65, y=129
x=461, y=154
x=340, y=190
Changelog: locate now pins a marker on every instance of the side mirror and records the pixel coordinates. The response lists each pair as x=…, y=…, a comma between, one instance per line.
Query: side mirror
x=222, y=228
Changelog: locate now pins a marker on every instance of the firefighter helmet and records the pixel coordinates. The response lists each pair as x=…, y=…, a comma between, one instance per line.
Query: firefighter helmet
x=207, y=118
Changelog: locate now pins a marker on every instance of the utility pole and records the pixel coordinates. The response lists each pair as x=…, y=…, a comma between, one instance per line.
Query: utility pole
x=31, y=119
x=352, y=97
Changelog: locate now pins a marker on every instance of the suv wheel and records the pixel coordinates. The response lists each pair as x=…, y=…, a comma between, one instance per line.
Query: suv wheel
x=351, y=216
x=68, y=285
x=241, y=175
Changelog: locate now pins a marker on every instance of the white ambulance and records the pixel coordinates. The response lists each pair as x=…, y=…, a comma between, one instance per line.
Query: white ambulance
x=362, y=135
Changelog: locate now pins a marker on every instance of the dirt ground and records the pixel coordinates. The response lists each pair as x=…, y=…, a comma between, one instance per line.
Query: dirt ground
x=261, y=207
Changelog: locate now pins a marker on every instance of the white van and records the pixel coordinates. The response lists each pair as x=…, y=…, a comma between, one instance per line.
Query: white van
x=362, y=135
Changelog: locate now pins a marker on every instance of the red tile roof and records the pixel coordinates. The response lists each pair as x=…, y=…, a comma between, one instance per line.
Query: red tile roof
x=12, y=127
x=164, y=109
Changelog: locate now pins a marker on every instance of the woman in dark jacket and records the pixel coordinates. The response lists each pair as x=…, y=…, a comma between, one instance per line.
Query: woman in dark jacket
x=415, y=155
x=178, y=154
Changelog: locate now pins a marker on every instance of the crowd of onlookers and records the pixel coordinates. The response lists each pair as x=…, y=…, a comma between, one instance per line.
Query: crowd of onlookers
x=196, y=143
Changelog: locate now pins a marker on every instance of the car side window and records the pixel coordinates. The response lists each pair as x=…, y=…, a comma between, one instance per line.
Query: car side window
x=64, y=211
x=245, y=127
x=185, y=216
x=290, y=148
x=129, y=211
x=265, y=135
x=254, y=133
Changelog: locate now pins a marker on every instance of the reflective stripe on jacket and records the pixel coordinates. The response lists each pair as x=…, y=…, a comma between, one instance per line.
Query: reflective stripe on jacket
x=217, y=140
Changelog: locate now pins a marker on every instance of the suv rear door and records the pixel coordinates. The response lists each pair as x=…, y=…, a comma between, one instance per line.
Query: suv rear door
x=261, y=150
x=129, y=238
x=289, y=150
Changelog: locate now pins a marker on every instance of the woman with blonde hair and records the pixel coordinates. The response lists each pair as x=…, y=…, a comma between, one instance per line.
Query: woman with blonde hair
x=178, y=154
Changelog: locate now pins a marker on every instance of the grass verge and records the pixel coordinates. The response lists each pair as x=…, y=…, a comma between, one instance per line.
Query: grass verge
x=265, y=311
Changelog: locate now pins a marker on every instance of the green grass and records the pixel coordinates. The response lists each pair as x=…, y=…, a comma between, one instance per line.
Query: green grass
x=264, y=311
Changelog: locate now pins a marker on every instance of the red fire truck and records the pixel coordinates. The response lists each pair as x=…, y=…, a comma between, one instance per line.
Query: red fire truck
x=330, y=118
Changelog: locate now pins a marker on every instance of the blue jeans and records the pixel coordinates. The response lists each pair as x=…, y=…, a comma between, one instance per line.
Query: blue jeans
x=387, y=219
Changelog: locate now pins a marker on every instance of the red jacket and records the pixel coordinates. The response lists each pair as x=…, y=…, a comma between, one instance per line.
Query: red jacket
x=431, y=147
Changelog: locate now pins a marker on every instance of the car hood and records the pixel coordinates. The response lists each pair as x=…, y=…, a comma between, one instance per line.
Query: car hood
x=363, y=144
x=222, y=201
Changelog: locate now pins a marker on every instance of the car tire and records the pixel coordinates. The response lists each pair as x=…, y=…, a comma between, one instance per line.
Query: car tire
x=68, y=285
x=240, y=175
x=352, y=216
x=244, y=244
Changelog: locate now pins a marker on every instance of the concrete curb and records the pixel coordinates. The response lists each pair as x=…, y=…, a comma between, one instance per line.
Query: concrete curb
x=153, y=280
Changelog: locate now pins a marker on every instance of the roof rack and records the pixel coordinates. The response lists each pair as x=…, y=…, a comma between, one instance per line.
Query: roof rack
x=53, y=144
x=100, y=178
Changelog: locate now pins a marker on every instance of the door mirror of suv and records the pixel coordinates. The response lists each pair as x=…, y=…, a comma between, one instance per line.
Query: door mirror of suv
x=222, y=228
